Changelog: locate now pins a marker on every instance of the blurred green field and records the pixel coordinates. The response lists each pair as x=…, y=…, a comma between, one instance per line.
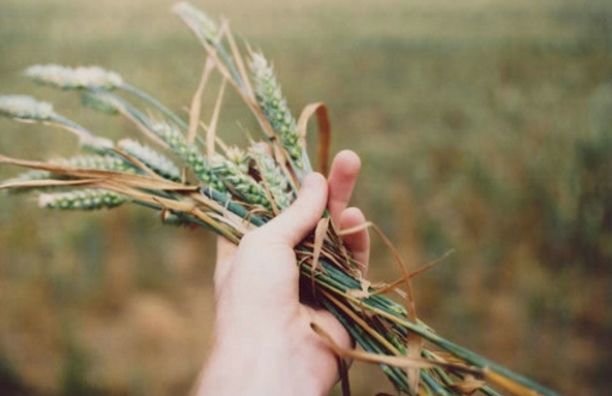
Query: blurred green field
x=484, y=127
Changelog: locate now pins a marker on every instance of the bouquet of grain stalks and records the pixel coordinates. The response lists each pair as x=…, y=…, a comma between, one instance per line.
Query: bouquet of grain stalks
x=200, y=180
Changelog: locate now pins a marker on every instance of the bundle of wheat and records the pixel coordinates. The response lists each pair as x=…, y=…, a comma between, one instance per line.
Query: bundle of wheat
x=232, y=191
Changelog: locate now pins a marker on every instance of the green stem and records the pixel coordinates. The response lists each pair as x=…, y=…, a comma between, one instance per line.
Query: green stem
x=234, y=207
x=459, y=351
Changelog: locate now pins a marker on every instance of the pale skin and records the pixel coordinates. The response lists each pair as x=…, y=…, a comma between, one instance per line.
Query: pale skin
x=263, y=343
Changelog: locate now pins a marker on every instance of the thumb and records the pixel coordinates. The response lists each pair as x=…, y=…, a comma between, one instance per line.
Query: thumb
x=294, y=224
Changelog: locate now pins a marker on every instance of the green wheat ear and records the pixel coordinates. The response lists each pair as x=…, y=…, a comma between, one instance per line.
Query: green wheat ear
x=239, y=182
x=86, y=199
x=207, y=30
x=83, y=77
x=239, y=157
x=190, y=154
x=202, y=25
x=26, y=108
x=100, y=162
x=274, y=105
x=155, y=161
x=272, y=176
x=92, y=79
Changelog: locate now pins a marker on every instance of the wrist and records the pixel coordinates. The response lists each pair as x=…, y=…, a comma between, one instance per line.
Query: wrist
x=259, y=360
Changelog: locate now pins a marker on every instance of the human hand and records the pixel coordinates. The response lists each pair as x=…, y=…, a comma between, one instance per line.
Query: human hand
x=263, y=340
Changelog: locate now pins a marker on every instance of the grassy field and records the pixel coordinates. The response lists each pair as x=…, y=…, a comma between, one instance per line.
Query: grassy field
x=484, y=127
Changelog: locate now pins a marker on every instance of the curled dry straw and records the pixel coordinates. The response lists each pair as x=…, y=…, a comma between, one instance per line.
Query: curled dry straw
x=233, y=191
